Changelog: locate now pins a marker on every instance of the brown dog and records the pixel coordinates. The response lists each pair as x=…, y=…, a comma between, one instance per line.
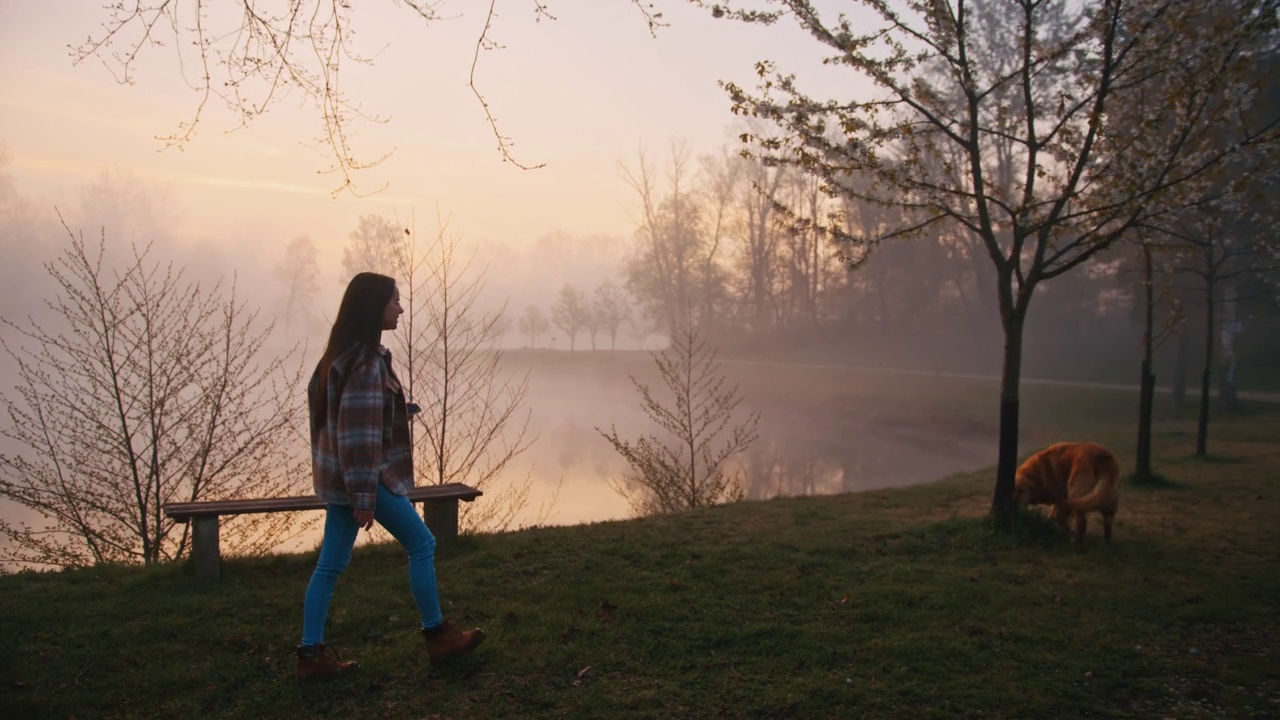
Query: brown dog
x=1075, y=478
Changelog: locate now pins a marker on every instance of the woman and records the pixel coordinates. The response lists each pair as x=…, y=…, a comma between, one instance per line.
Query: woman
x=362, y=466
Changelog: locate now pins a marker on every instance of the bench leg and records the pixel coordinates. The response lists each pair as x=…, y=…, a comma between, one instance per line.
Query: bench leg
x=441, y=517
x=204, y=547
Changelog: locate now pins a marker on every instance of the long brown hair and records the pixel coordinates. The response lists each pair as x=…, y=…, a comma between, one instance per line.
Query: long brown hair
x=359, y=322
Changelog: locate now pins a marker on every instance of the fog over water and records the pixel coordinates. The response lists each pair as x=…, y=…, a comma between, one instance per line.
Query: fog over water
x=797, y=452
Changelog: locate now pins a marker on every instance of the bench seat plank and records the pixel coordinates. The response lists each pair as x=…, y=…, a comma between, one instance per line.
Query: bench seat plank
x=184, y=512
x=439, y=509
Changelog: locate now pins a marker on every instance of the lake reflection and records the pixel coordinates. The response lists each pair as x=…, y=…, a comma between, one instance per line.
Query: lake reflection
x=798, y=452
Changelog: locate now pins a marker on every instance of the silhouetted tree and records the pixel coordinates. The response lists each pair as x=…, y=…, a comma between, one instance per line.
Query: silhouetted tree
x=610, y=310
x=533, y=324
x=374, y=246
x=759, y=258
x=1222, y=258
x=722, y=177
x=299, y=270
x=570, y=312
x=670, y=252
x=1154, y=286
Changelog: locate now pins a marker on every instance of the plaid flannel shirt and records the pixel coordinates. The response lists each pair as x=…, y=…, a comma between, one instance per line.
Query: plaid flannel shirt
x=365, y=438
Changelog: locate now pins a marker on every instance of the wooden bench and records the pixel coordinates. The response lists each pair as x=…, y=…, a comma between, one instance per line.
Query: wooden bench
x=439, y=510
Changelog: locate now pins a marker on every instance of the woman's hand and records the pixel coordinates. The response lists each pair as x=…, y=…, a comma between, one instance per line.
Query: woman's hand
x=364, y=518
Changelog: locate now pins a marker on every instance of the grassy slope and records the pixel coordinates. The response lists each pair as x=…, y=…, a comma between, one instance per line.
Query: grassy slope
x=886, y=604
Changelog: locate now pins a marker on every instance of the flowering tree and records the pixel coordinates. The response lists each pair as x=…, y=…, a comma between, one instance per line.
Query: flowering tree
x=1045, y=129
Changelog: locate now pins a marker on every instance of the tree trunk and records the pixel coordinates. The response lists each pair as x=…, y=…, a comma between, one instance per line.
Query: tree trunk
x=1227, y=399
x=1010, y=378
x=1202, y=427
x=1142, y=470
x=1179, y=392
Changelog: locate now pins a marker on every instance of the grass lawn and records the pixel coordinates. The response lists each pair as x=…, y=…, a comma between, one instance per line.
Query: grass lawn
x=886, y=604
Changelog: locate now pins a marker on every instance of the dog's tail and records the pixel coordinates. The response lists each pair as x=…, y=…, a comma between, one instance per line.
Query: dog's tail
x=1106, y=484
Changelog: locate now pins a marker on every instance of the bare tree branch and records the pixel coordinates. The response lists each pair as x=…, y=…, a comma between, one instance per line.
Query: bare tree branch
x=148, y=389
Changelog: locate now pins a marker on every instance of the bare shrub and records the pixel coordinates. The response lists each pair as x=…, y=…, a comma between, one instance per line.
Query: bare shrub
x=687, y=470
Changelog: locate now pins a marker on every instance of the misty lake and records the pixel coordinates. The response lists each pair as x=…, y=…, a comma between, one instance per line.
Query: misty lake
x=823, y=430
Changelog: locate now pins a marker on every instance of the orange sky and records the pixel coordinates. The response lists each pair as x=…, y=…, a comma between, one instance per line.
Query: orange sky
x=580, y=94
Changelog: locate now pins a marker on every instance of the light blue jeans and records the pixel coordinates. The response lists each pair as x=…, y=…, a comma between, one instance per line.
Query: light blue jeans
x=396, y=514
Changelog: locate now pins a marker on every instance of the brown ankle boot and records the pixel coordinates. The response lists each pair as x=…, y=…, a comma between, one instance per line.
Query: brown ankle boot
x=316, y=660
x=448, y=641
